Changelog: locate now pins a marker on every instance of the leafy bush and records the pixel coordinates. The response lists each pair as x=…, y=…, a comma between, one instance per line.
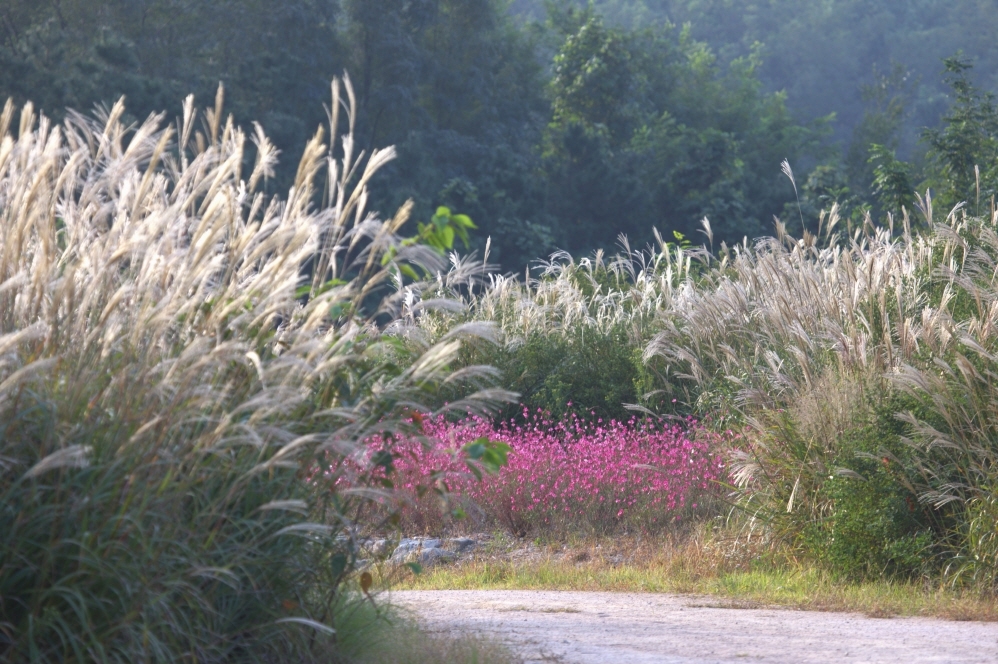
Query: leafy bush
x=979, y=561
x=876, y=526
x=833, y=479
x=875, y=530
x=571, y=339
x=593, y=374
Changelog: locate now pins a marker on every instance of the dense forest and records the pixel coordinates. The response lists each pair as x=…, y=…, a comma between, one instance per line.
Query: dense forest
x=559, y=124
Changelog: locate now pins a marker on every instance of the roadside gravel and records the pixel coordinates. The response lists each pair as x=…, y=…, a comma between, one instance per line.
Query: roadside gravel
x=633, y=628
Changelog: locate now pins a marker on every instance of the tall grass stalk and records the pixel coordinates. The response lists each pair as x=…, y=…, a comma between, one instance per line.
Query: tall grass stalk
x=177, y=350
x=860, y=360
x=911, y=315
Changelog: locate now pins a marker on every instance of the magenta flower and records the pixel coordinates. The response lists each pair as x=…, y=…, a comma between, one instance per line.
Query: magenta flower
x=570, y=473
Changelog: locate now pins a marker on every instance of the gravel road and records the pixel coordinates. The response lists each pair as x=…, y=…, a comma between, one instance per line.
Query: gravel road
x=632, y=628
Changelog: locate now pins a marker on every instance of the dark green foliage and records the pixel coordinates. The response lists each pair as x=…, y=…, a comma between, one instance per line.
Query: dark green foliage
x=584, y=372
x=891, y=180
x=276, y=60
x=44, y=67
x=649, y=130
x=872, y=533
x=836, y=479
x=869, y=69
x=964, y=151
x=823, y=54
x=825, y=186
x=564, y=129
x=516, y=125
x=876, y=526
x=958, y=166
x=459, y=90
x=887, y=103
x=594, y=79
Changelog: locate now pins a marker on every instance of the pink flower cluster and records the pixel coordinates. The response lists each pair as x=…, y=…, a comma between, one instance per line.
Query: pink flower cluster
x=569, y=473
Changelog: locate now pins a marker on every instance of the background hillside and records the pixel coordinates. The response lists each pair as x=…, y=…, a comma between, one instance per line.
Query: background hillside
x=551, y=124
x=824, y=53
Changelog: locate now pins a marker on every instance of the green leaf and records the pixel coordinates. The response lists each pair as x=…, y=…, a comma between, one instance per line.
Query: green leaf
x=476, y=448
x=441, y=219
x=415, y=567
x=491, y=455
x=338, y=564
x=496, y=456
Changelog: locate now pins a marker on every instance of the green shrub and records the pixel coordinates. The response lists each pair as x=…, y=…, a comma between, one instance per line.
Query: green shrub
x=572, y=339
x=874, y=530
x=876, y=526
x=979, y=534
x=834, y=478
x=589, y=372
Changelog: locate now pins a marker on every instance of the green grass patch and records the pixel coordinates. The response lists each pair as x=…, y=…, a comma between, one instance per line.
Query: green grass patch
x=378, y=633
x=799, y=588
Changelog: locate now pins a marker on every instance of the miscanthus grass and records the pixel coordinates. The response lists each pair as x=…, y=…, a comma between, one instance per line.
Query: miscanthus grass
x=176, y=347
x=859, y=363
x=862, y=364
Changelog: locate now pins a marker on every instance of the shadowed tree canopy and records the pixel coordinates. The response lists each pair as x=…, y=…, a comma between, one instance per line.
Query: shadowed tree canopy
x=551, y=124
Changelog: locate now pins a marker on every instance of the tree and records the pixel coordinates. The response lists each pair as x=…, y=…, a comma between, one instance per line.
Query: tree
x=460, y=90
x=891, y=180
x=648, y=130
x=963, y=152
x=593, y=80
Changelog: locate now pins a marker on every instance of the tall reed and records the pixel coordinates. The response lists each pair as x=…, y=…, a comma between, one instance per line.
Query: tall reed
x=571, y=332
x=910, y=315
x=177, y=348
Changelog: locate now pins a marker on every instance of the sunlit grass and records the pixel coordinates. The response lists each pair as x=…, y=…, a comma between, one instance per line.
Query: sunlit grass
x=792, y=586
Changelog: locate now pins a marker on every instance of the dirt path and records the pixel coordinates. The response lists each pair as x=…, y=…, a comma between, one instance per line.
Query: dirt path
x=628, y=628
